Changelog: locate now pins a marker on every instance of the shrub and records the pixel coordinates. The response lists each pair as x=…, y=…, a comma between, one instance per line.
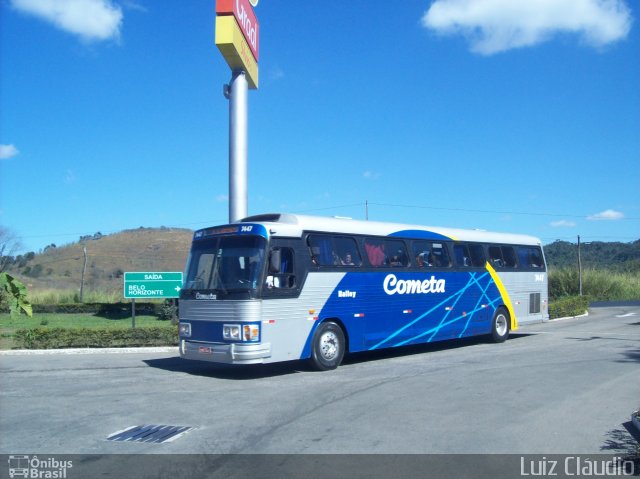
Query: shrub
x=102, y=309
x=563, y=282
x=568, y=306
x=55, y=338
x=168, y=312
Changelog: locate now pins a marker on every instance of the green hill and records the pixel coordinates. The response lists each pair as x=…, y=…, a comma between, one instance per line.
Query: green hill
x=108, y=257
x=612, y=256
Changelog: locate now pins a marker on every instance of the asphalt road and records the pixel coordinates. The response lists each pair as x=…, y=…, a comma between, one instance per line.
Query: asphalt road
x=554, y=388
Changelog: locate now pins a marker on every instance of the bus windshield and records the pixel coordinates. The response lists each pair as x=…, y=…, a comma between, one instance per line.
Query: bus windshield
x=226, y=264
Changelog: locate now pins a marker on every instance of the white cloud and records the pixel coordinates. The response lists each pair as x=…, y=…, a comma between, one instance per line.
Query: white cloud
x=8, y=151
x=494, y=26
x=132, y=5
x=222, y=198
x=371, y=175
x=562, y=224
x=92, y=20
x=610, y=215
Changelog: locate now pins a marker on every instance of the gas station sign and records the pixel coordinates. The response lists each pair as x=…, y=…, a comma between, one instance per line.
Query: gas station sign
x=237, y=37
x=246, y=18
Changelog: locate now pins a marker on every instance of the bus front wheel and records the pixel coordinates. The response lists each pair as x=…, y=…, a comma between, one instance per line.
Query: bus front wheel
x=500, y=326
x=328, y=347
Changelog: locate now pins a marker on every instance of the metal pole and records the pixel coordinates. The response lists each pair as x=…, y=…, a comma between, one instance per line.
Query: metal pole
x=133, y=313
x=238, y=93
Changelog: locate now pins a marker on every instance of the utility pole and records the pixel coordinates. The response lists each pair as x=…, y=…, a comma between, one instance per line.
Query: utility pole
x=84, y=268
x=580, y=244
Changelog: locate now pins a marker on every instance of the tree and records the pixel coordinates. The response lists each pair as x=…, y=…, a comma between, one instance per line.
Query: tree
x=9, y=244
x=14, y=293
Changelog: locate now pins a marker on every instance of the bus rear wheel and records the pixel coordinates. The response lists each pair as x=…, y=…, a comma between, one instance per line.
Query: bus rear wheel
x=500, y=326
x=328, y=347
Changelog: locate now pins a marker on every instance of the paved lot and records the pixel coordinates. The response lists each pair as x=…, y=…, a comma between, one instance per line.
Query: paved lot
x=560, y=387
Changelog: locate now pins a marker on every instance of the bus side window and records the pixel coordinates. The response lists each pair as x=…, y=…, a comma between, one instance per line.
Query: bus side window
x=333, y=251
x=428, y=254
x=530, y=257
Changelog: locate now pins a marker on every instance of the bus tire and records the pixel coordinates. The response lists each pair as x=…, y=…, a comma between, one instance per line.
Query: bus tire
x=500, y=325
x=328, y=347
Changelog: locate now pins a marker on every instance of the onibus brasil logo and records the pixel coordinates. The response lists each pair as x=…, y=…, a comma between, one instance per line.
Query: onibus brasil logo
x=38, y=468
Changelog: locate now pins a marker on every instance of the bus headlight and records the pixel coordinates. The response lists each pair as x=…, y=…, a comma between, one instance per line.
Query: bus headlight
x=231, y=332
x=185, y=330
x=251, y=332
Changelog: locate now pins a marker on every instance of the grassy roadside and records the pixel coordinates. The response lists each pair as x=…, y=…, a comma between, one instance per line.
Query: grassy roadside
x=9, y=325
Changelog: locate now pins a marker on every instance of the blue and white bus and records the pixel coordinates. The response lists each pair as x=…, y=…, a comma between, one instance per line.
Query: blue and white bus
x=279, y=287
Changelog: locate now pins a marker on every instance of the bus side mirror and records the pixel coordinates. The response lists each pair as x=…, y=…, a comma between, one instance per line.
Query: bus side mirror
x=275, y=260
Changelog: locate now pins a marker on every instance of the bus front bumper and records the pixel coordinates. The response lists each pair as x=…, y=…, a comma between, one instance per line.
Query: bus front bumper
x=233, y=353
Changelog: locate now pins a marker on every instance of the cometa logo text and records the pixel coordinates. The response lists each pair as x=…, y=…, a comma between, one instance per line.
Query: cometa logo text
x=393, y=285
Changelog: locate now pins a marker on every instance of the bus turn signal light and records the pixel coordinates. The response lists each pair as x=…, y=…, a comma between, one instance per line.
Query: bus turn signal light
x=251, y=332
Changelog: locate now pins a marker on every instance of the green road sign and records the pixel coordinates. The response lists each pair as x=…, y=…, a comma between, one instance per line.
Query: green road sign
x=152, y=285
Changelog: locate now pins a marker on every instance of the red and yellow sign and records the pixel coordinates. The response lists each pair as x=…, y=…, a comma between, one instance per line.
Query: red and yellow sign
x=237, y=37
x=246, y=18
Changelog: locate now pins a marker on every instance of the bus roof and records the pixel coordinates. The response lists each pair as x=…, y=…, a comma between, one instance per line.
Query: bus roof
x=293, y=225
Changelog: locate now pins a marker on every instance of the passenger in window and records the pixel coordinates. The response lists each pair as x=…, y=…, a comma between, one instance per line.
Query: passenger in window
x=399, y=258
x=348, y=260
x=425, y=260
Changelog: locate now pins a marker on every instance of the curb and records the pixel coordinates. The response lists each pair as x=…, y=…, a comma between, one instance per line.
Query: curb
x=570, y=317
x=35, y=352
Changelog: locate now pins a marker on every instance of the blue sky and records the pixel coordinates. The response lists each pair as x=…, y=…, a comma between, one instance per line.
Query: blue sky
x=493, y=114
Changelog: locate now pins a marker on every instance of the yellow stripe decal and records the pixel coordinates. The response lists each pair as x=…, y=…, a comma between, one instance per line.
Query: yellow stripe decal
x=505, y=296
